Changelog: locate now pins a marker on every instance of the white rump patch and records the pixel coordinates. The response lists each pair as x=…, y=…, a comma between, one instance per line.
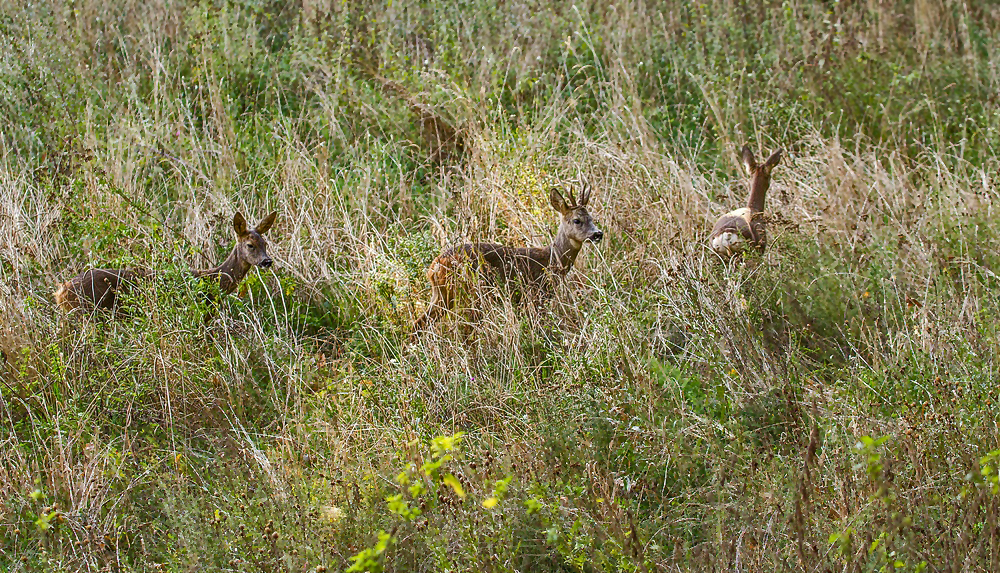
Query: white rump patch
x=728, y=243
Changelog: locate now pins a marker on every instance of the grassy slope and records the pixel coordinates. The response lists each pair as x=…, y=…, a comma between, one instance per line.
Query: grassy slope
x=130, y=132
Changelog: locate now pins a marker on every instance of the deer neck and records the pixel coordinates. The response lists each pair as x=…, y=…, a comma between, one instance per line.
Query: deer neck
x=562, y=253
x=758, y=188
x=229, y=273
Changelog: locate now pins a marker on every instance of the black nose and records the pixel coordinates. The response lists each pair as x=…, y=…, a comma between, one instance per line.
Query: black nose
x=266, y=262
x=597, y=236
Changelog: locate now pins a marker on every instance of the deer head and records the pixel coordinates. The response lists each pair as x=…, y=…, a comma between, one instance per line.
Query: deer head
x=251, y=246
x=577, y=225
x=760, y=176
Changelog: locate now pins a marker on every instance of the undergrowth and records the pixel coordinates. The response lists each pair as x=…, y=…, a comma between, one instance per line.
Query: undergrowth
x=829, y=405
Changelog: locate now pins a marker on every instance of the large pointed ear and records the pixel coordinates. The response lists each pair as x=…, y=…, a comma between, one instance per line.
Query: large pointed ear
x=584, y=195
x=558, y=202
x=749, y=163
x=266, y=223
x=239, y=224
x=773, y=159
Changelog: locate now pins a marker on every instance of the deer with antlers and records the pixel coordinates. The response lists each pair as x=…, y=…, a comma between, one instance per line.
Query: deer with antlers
x=470, y=266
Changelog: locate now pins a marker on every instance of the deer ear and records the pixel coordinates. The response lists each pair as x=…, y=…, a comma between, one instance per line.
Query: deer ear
x=557, y=200
x=773, y=159
x=584, y=195
x=748, y=160
x=239, y=224
x=266, y=223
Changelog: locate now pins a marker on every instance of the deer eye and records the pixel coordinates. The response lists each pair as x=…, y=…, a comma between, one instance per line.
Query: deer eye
x=250, y=246
x=576, y=221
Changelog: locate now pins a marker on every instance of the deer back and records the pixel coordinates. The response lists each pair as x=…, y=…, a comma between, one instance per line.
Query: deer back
x=99, y=288
x=489, y=264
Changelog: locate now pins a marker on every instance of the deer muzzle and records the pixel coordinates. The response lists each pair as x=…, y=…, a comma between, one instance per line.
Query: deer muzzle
x=596, y=237
x=266, y=263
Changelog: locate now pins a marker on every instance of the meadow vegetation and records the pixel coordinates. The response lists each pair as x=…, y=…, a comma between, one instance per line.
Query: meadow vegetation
x=830, y=405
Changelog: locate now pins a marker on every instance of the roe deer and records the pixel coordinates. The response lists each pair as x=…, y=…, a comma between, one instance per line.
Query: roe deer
x=746, y=227
x=497, y=264
x=100, y=288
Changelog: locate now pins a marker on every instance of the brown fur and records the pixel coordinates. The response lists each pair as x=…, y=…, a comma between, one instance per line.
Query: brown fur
x=491, y=265
x=66, y=299
x=101, y=288
x=746, y=226
x=98, y=288
x=751, y=226
x=474, y=265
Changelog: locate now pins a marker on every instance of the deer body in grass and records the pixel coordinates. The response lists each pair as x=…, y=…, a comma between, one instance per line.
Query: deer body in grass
x=469, y=266
x=102, y=288
x=746, y=227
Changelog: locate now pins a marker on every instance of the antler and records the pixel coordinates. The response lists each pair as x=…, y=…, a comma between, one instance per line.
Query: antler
x=584, y=195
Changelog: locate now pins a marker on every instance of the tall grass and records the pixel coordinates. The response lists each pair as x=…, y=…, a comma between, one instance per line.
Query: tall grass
x=827, y=406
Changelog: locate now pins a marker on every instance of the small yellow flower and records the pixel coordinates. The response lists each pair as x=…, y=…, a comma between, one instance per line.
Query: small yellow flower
x=331, y=513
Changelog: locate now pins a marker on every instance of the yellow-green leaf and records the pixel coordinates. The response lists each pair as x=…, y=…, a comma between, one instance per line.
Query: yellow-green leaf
x=453, y=482
x=491, y=502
